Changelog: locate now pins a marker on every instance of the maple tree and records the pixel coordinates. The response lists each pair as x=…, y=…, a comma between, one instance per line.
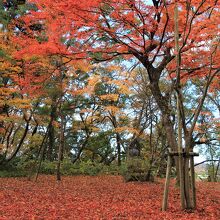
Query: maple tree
x=56, y=101
x=146, y=32
x=14, y=106
x=147, y=36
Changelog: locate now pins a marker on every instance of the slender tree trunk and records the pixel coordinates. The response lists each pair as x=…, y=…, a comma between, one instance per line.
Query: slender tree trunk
x=187, y=182
x=51, y=131
x=41, y=153
x=40, y=162
x=33, y=168
x=61, y=146
x=118, y=148
x=216, y=171
x=166, y=120
x=20, y=142
x=81, y=148
x=149, y=176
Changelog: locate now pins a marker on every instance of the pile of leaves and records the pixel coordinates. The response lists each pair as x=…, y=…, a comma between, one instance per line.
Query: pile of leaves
x=99, y=197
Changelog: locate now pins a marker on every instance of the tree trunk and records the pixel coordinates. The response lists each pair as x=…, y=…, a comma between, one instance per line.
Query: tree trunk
x=187, y=183
x=51, y=131
x=14, y=154
x=118, y=149
x=61, y=147
x=166, y=120
x=216, y=171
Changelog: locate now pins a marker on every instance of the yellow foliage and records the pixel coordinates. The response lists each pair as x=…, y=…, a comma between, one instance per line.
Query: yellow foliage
x=6, y=91
x=126, y=129
x=81, y=65
x=95, y=129
x=123, y=86
x=19, y=103
x=112, y=109
x=1, y=145
x=113, y=68
x=85, y=110
x=110, y=97
x=48, y=101
x=93, y=80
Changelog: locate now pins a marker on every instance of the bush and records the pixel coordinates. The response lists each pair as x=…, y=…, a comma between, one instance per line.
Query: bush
x=24, y=167
x=69, y=169
x=136, y=169
x=11, y=170
x=13, y=173
x=90, y=168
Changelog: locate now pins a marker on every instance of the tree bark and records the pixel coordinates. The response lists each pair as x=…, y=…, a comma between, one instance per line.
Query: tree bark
x=61, y=147
x=166, y=120
x=118, y=149
x=51, y=131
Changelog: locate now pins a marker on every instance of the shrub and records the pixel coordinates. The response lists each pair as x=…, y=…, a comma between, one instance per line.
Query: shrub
x=136, y=169
x=24, y=167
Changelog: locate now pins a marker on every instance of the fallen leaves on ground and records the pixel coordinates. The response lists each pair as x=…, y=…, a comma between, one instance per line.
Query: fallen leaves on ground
x=101, y=197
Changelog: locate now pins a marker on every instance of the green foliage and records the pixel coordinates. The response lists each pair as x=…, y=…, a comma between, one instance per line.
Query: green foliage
x=68, y=168
x=213, y=172
x=11, y=8
x=23, y=167
x=136, y=169
x=100, y=146
x=48, y=167
x=12, y=173
x=90, y=168
x=12, y=170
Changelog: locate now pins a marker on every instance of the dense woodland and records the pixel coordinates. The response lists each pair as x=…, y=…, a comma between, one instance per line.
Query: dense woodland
x=107, y=87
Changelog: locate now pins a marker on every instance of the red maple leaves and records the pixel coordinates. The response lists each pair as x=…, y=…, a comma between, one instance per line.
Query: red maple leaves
x=103, y=197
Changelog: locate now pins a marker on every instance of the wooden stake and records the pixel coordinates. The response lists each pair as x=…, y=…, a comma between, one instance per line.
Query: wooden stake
x=178, y=62
x=187, y=183
x=192, y=170
x=167, y=182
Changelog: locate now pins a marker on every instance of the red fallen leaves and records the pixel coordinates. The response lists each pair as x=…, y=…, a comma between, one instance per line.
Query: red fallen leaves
x=103, y=197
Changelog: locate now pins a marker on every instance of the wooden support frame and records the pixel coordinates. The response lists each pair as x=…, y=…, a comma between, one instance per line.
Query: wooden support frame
x=183, y=154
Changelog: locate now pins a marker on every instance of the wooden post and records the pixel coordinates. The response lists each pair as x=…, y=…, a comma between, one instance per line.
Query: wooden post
x=167, y=182
x=190, y=155
x=178, y=63
x=192, y=170
x=180, y=158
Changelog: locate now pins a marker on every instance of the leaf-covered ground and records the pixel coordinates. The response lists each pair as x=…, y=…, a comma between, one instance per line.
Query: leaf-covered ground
x=104, y=197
